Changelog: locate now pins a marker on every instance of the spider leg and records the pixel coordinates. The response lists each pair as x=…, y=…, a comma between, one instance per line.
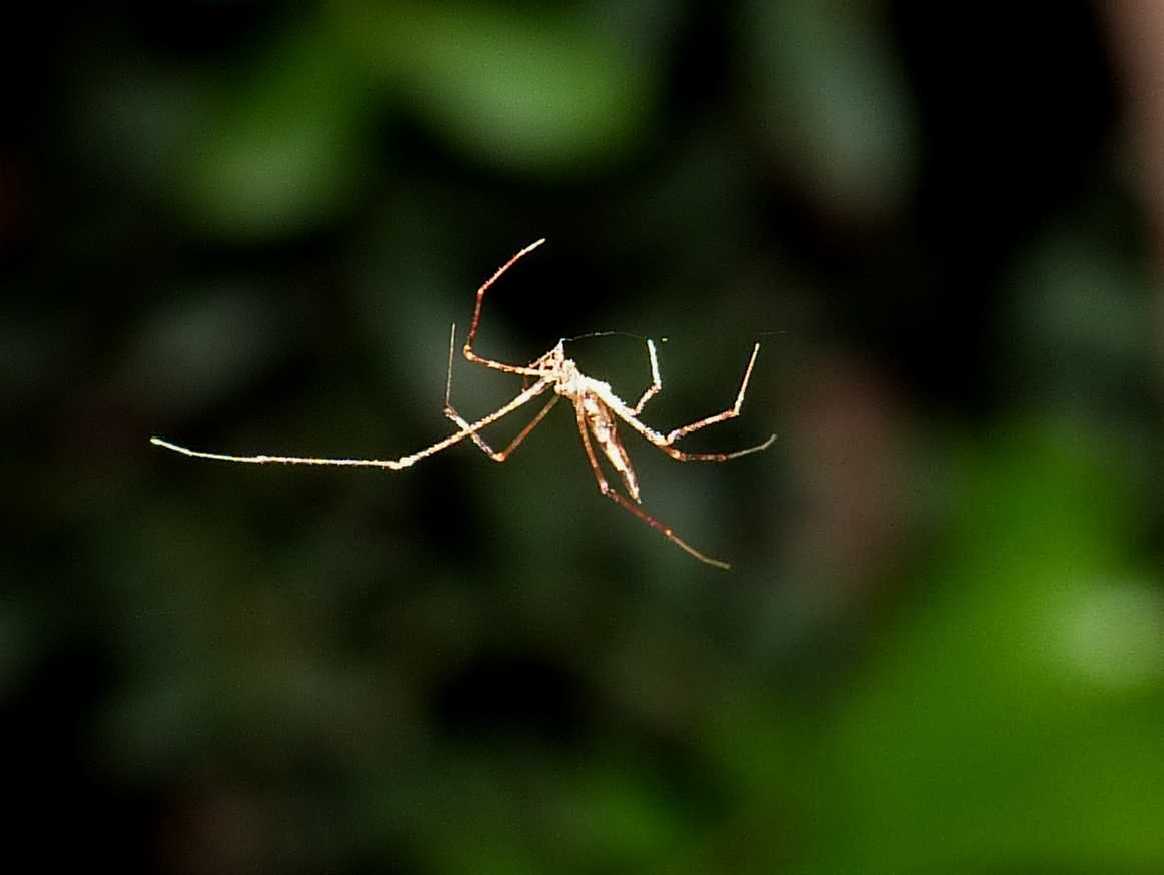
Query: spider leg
x=626, y=504
x=663, y=442
x=502, y=455
x=467, y=430
x=456, y=417
x=468, y=348
x=680, y=456
x=656, y=381
x=477, y=439
x=731, y=413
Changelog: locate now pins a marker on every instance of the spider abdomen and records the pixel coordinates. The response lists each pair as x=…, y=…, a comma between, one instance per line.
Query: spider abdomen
x=605, y=430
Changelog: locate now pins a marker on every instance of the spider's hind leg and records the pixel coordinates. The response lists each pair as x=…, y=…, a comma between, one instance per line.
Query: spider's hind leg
x=626, y=504
x=731, y=412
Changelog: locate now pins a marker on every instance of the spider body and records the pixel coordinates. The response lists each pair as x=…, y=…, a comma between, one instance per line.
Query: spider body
x=597, y=410
x=588, y=397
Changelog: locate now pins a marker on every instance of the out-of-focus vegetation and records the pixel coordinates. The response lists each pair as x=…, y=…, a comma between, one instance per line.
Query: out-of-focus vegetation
x=247, y=226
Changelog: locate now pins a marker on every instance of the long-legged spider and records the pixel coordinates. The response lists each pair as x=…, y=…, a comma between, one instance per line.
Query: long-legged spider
x=596, y=408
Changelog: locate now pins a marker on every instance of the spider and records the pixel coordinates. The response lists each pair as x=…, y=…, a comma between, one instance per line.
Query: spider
x=596, y=409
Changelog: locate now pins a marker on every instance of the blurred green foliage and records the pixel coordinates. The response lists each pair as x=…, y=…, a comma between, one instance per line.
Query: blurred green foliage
x=247, y=226
x=282, y=148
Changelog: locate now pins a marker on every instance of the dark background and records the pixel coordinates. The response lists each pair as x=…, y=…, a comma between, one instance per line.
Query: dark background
x=247, y=227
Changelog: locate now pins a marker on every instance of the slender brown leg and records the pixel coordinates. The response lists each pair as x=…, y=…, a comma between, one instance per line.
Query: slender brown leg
x=501, y=456
x=627, y=415
x=468, y=348
x=730, y=413
x=626, y=504
x=452, y=414
x=681, y=456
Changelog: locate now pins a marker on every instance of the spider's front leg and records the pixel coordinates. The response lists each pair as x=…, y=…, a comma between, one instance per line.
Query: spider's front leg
x=470, y=355
x=467, y=430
